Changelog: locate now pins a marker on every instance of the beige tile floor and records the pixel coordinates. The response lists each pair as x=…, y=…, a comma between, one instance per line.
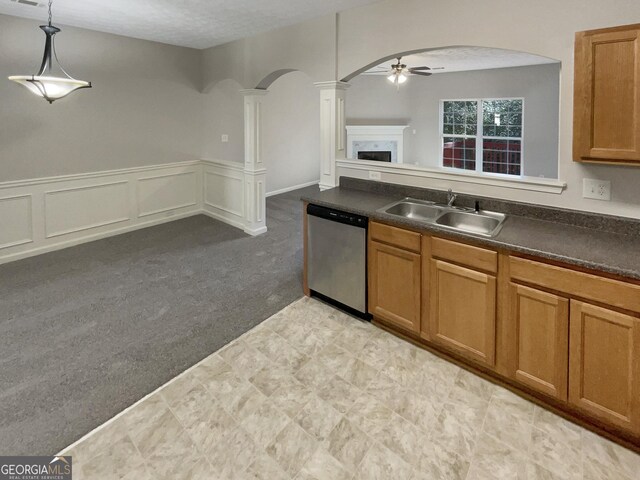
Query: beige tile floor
x=313, y=394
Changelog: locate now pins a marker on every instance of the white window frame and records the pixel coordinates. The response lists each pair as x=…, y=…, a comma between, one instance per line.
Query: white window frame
x=480, y=137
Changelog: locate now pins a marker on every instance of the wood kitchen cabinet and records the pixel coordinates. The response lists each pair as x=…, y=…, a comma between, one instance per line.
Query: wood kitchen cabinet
x=394, y=276
x=539, y=323
x=462, y=299
x=568, y=337
x=604, y=364
x=607, y=95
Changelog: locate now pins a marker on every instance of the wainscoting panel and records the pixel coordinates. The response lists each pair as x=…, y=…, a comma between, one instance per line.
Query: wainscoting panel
x=83, y=208
x=166, y=192
x=15, y=221
x=223, y=192
x=45, y=214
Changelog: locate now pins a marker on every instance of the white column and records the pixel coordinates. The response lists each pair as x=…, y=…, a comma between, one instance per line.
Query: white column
x=332, y=130
x=255, y=174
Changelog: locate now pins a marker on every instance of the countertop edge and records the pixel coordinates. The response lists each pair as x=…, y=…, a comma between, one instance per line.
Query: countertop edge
x=482, y=241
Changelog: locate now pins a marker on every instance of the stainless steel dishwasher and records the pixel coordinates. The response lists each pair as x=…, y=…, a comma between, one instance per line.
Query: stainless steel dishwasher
x=337, y=257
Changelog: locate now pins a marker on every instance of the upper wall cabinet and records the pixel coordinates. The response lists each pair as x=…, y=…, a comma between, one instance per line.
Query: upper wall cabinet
x=607, y=96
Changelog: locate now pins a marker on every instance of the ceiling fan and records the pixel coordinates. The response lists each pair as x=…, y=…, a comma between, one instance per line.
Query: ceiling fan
x=399, y=72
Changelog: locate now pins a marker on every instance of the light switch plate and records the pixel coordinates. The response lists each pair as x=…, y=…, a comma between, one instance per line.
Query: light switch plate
x=224, y=138
x=596, y=189
x=375, y=175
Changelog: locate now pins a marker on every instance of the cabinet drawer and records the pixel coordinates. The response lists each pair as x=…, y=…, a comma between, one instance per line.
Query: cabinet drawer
x=397, y=237
x=585, y=285
x=468, y=255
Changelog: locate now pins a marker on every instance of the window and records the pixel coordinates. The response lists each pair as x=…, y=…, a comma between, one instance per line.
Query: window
x=482, y=135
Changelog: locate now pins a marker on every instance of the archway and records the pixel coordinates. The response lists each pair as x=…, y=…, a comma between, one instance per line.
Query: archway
x=482, y=111
x=291, y=132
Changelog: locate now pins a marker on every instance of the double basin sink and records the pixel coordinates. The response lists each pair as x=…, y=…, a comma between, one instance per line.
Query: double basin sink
x=459, y=219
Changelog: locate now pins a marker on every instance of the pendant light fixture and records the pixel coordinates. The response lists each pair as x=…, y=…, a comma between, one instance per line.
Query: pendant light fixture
x=49, y=83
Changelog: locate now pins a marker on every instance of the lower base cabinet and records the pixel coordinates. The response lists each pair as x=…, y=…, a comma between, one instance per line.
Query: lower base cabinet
x=604, y=364
x=394, y=285
x=553, y=341
x=539, y=325
x=462, y=314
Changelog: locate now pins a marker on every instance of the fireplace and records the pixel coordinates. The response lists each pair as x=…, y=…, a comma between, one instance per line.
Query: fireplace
x=378, y=156
x=380, y=143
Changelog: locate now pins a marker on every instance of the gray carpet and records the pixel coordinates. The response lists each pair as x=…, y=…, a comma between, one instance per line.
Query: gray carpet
x=87, y=331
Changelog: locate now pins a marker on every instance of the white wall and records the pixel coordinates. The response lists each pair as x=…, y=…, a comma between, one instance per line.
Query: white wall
x=291, y=132
x=373, y=100
x=223, y=115
x=144, y=108
x=545, y=27
x=307, y=46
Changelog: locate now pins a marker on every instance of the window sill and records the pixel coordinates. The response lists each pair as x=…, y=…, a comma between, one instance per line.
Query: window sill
x=535, y=184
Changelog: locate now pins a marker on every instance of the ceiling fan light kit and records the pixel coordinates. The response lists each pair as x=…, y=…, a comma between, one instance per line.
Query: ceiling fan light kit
x=397, y=78
x=399, y=72
x=46, y=83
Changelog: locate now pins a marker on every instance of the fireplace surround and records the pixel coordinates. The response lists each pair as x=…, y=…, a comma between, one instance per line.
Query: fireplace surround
x=376, y=142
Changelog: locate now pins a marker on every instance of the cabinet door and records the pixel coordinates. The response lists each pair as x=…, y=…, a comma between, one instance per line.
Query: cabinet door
x=541, y=336
x=604, y=364
x=463, y=310
x=607, y=95
x=394, y=285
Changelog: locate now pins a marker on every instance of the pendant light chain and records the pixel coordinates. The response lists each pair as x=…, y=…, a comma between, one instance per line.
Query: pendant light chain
x=50, y=2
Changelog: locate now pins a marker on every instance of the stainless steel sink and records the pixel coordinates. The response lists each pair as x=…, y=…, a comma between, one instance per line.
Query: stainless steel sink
x=415, y=209
x=483, y=223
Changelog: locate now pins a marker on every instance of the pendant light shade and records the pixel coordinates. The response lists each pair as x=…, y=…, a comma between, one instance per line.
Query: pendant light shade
x=51, y=82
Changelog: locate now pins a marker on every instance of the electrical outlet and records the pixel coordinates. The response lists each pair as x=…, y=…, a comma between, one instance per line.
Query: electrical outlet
x=224, y=138
x=375, y=176
x=596, y=189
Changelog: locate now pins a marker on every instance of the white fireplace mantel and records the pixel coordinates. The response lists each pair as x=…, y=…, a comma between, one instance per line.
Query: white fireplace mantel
x=376, y=138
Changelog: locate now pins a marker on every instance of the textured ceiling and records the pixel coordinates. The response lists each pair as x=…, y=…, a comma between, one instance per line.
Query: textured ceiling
x=460, y=59
x=187, y=23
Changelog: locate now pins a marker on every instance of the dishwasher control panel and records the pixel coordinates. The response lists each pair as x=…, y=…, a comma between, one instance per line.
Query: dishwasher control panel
x=338, y=216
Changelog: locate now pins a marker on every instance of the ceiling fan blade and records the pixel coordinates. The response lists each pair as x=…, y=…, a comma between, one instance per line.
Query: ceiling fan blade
x=424, y=74
x=419, y=68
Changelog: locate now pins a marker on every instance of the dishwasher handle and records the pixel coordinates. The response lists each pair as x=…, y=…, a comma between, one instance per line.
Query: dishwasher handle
x=337, y=216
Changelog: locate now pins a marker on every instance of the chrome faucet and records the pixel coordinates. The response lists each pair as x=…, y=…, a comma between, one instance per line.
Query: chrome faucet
x=451, y=197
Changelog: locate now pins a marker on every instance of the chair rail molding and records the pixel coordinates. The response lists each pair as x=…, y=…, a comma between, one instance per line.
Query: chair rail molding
x=223, y=191
x=45, y=214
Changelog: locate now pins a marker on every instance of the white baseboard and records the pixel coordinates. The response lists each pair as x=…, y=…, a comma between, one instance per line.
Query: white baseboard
x=46, y=214
x=325, y=187
x=289, y=189
x=256, y=231
x=223, y=218
x=92, y=237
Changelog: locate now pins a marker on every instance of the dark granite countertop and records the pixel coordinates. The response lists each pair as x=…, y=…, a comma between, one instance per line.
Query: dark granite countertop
x=593, y=248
